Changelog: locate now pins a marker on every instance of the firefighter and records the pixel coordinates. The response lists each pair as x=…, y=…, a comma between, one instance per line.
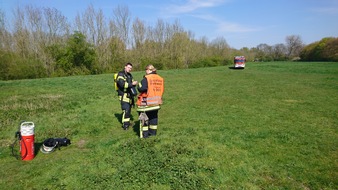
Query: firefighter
x=151, y=89
x=126, y=93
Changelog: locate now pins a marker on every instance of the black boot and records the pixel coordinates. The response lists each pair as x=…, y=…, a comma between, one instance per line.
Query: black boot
x=125, y=126
x=152, y=132
x=145, y=134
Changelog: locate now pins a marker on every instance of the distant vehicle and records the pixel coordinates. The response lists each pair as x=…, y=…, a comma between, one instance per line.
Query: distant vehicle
x=239, y=62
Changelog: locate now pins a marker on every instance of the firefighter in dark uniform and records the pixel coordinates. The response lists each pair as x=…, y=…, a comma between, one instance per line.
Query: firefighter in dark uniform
x=126, y=92
x=151, y=89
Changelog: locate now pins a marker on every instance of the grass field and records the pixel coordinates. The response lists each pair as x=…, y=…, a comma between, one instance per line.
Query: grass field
x=269, y=126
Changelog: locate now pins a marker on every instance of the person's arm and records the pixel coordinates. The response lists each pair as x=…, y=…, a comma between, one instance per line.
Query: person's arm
x=143, y=85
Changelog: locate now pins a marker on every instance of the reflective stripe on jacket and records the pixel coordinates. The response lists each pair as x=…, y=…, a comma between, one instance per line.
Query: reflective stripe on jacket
x=124, y=81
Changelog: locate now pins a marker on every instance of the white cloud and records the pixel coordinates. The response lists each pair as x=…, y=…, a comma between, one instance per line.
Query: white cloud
x=234, y=27
x=225, y=26
x=192, y=5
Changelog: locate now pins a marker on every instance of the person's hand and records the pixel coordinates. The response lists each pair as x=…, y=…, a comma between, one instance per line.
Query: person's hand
x=134, y=83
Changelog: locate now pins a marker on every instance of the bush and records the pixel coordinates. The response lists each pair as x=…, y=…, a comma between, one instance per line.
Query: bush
x=323, y=50
x=210, y=62
x=14, y=67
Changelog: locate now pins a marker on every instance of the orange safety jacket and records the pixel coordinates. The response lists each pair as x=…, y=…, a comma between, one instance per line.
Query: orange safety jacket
x=153, y=96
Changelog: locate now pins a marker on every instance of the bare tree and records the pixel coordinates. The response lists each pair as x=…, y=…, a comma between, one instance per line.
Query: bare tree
x=279, y=52
x=89, y=23
x=139, y=36
x=294, y=45
x=203, y=45
x=5, y=36
x=56, y=31
x=112, y=29
x=92, y=24
x=2, y=20
x=159, y=32
x=20, y=34
x=139, y=33
x=220, y=46
x=101, y=41
x=57, y=25
x=35, y=27
x=78, y=25
x=101, y=26
x=122, y=22
x=264, y=52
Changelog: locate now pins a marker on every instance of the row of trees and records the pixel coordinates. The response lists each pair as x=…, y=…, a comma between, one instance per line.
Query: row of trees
x=324, y=50
x=280, y=52
x=41, y=42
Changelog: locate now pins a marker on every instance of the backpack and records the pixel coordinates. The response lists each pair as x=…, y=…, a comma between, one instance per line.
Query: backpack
x=115, y=80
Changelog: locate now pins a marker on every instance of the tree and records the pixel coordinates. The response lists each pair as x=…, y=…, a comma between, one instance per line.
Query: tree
x=294, y=45
x=264, y=52
x=219, y=46
x=4, y=34
x=324, y=50
x=139, y=33
x=116, y=50
x=77, y=57
x=331, y=50
x=21, y=36
x=56, y=31
x=57, y=25
x=279, y=52
x=178, y=50
x=122, y=23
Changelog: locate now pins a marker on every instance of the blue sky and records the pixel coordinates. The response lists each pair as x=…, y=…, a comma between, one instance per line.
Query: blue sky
x=243, y=23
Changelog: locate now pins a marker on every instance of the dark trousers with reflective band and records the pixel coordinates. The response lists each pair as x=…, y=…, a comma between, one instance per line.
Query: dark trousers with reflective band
x=126, y=112
x=151, y=127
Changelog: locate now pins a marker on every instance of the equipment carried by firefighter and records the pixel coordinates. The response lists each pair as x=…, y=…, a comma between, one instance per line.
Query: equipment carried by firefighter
x=50, y=144
x=143, y=122
x=115, y=81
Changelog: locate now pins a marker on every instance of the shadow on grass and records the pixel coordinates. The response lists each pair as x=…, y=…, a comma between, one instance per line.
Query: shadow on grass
x=135, y=126
x=237, y=68
x=15, y=149
x=119, y=117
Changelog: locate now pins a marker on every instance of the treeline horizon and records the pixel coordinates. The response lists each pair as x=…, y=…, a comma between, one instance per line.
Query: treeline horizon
x=41, y=42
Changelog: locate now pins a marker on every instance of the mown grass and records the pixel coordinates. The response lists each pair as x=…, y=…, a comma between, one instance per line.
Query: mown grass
x=269, y=126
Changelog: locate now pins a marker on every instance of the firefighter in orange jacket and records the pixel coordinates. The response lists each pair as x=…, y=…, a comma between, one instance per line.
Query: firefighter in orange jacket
x=151, y=89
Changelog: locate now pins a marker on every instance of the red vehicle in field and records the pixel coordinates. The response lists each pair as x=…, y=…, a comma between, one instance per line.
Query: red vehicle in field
x=239, y=62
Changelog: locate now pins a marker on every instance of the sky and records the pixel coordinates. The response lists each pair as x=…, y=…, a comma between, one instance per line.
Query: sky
x=242, y=23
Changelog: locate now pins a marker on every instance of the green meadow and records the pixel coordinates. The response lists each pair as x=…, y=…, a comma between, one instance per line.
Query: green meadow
x=271, y=125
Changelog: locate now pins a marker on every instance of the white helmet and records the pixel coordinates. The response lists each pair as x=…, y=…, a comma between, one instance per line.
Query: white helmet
x=48, y=145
